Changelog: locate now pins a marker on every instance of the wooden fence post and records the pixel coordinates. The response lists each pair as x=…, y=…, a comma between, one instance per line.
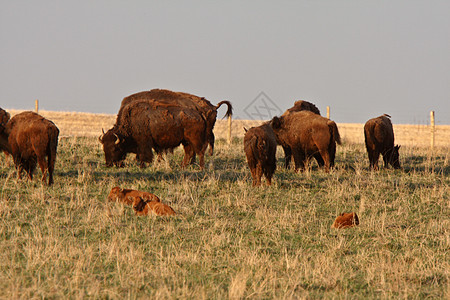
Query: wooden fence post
x=433, y=129
x=328, y=112
x=36, y=106
x=229, y=130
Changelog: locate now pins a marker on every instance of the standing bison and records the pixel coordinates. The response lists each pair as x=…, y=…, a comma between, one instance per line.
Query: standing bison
x=299, y=105
x=165, y=98
x=140, y=127
x=379, y=139
x=31, y=139
x=307, y=135
x=260, y=147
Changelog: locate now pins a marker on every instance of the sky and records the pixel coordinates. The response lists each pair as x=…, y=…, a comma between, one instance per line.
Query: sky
x=360, y=58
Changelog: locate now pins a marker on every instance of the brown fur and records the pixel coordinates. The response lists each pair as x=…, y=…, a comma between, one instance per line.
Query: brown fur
x=140, y=128
x=379, y=139
x=303, y=105
x=346, y=220
x=161, y=98
x=144, y=208
x=260, y=147
x=31, y=139
x=4, y=118
x=299, y=105
x=127, y=196
x=307, y=135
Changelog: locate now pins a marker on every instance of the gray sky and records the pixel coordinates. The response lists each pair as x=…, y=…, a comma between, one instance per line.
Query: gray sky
x=361, y=58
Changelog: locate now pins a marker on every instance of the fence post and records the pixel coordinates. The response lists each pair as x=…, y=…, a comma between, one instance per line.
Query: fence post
x=36, y=106
x=433, y=128
x=328, y=112
x=229, y=130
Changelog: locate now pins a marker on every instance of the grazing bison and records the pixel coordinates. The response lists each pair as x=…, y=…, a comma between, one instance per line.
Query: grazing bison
x=299, y=105
x=379, y=138
x=31, y=139
x=308, y=135
x=165, y=98
x=140, y=128
x=260, y=147
x=127, y=196
x=144, y=208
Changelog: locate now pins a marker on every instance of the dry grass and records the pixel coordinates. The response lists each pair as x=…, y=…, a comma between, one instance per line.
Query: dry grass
x=229, y=240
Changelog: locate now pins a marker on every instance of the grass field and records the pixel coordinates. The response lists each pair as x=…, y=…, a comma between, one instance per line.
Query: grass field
x=229, y=240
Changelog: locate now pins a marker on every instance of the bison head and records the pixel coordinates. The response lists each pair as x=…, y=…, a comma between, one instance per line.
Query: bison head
x=114, y=148
x=395, y=157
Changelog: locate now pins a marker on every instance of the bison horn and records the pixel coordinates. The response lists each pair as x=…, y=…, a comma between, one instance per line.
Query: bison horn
x=100, y=138
x=118, y=139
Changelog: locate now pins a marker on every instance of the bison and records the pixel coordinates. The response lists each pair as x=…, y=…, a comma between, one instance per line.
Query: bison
x=346, y=220
x=140, y=127
x=379, y=139
x=308, y=135
x=144, y=208
x=260, y=147
x=31, y=139
x=299, y=105
x=127, y=196
x=166, y=98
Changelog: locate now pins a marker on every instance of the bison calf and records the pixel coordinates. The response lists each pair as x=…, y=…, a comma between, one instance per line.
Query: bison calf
x=144, y=208
x=379, y=139
x=31, y=139
x=346, y=220
x=260, y=147
x=128, y=196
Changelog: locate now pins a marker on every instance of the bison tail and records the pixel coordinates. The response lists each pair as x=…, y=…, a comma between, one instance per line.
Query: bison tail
x=51, y=152
x=229, y=110
x=334, y=131
x=251, y=146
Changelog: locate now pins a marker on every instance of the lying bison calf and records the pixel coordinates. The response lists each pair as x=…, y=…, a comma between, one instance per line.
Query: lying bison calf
x=307, y=135
x=31, y=139
x=346, y=220
x=260, y=147
x=144, y=208
x=128, y=196
x=379, y=139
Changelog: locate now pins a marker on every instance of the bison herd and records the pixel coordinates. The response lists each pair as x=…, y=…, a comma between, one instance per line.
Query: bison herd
x=160, y=120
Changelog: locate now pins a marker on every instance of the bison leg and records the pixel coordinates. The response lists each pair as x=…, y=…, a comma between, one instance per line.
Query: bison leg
x=326, y=158
x=268, y=175
x=287, y=156
x=188, y=155
x=211, y=144
x=299, y=159
x=19, y=166
x=43, y=165
x=373, y=159
x=258, y=175
x=319, y=159
x=145, y=155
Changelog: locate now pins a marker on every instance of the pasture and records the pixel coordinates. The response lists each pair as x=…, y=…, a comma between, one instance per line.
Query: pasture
x=229, y=240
